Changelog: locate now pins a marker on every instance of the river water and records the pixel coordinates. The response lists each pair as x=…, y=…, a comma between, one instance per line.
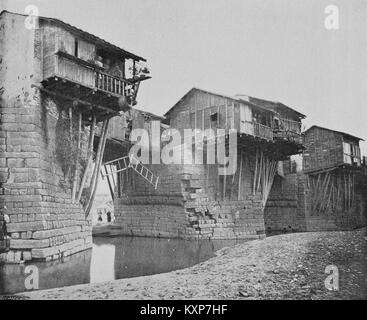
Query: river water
x=113, y=258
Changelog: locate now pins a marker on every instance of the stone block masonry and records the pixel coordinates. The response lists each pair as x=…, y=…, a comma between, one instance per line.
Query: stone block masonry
x=285, y=208
x=186, y=206
x=34, y=187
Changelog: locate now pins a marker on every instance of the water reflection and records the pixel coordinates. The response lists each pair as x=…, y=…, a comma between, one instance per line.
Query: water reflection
x=103, y=263
x=72, y=270
x=113, y=258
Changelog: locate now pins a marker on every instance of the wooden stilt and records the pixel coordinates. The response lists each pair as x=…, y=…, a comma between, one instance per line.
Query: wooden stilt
x=97, y=166
x=350, y=191
x=110, y=186
x=345, y=193
x=255, y=174
x=338, y=193
x=207, y=177
x=268, y=173
x=324, y=193
x=90, y=159
x=240, y=178
x=70, y=138
x=217, y=187
x=353, y=190
x=76, y=170
x=260, y=171
x=224, y=186
x=71, y=124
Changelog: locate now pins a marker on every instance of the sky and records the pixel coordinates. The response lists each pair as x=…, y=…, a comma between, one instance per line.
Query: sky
x=278, y=50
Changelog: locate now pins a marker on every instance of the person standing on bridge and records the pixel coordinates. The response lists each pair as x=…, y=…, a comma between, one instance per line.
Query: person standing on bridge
x=99, y=216
x=4, y=231
x=109, y=217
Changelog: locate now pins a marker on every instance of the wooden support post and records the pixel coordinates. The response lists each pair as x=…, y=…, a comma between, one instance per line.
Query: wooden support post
x=226, y=125
x=240, y=178
x=110, y=186
x=233, y=123
x=224, y=185
x=217, y=191
x=260, y=173
x=76, y=169
x=90, y=159
x=207, y=177
x=255, y=174
x=98, y=162
x=350, y=190
x=70, y=138
x=71, y=124
x=353, y=190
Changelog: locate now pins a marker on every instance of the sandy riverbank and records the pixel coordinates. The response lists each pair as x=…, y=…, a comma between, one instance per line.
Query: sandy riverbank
x=288, y=266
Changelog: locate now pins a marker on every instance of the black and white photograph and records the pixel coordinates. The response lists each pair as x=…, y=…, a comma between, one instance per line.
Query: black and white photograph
x=206, y=152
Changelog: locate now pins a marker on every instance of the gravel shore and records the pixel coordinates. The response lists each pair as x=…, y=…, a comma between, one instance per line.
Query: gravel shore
x=290, y=266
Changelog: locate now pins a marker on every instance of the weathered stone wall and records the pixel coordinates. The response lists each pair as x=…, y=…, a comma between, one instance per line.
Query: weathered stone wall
x=189, y=203
x=44, y=224
x=285, y=208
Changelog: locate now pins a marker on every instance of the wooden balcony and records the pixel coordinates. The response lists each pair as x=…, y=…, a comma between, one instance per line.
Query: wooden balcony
x=288, y=136
x=86, y=83
x=290, y=125
x=257, y=130
x=263, y=131
x=289, y=131
x=109, y=83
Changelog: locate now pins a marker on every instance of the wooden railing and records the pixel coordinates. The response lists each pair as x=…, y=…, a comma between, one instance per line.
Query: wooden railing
x=289, y=136
x=262, y=131
x=109, y=83
x=288, y=130
x=289, y=125
x=85, y=73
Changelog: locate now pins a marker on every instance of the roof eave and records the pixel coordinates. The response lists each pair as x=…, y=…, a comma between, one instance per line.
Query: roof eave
x=336, y=131
x=93, y=38
x=87, y=35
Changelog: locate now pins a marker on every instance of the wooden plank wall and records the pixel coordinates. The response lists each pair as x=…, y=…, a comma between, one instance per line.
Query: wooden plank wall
x=55, y=39
x=196, y=109
x=324, y=149
x=49, y=49
x=76, y=72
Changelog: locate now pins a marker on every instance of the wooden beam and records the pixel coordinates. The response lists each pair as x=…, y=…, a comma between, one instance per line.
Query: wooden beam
x=110, y=187
x=90, y=159
x=97, y=166
x=240, y=177
x=76, y=170
x=62, y=96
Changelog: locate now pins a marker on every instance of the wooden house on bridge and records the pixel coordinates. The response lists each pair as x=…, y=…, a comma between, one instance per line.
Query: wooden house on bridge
x=323, y=189
x=195, y=200
x=57, y=84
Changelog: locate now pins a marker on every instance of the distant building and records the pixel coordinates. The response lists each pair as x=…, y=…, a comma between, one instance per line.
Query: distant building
x=326, y=191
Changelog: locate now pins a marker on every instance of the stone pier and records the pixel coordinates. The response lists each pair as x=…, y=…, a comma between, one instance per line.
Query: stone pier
x=34, y=155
